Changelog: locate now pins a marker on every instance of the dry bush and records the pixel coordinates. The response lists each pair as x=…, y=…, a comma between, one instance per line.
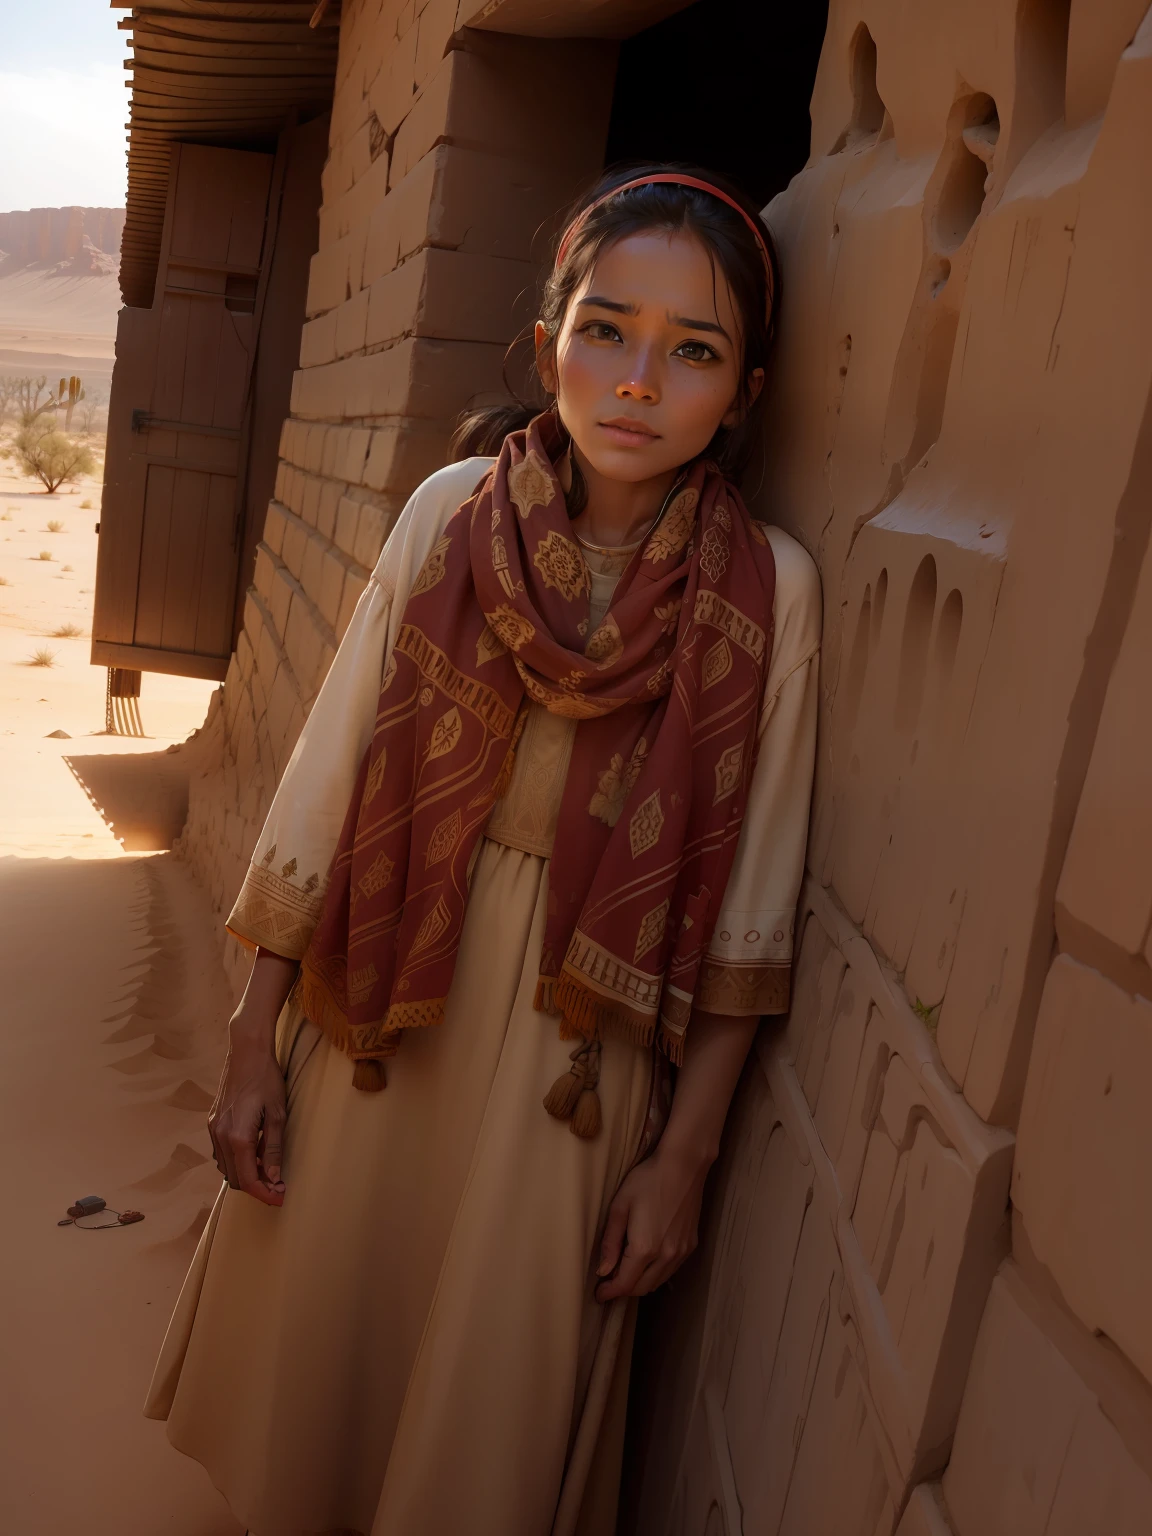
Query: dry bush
x=85, y=506
x=4, y=582
x=42, y=657
x=52, y=457
x=67, y=632
x=45, y=554
x=65, y=567
x=55, y=526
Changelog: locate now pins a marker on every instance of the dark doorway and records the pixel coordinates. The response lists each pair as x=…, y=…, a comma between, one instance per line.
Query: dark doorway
x=724, y=84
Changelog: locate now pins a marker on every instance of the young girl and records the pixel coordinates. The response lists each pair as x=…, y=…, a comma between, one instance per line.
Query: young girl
x=540, y=838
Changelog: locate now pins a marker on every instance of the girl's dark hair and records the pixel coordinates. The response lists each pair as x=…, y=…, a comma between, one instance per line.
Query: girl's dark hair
x=730, y=244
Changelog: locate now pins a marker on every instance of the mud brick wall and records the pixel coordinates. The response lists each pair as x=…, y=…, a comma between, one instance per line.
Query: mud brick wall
x=922, y=1301
x=447, y=164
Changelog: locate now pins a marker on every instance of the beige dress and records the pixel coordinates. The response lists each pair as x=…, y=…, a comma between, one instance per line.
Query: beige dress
x=411, y=1346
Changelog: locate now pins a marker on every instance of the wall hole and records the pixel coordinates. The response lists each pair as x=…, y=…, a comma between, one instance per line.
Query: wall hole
x=914, y=644
x=961, y=197
x=868, y=110
x=948, y=637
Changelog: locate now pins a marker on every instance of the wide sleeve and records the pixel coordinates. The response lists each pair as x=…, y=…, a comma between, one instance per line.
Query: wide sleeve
x=749, y=963
x=283, y=891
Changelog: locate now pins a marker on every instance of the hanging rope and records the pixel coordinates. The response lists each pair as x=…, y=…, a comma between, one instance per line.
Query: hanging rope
x=122, y=703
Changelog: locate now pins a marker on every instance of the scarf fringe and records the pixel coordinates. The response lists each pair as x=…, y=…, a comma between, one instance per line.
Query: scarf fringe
x=321, y=1008
x=585, y=1015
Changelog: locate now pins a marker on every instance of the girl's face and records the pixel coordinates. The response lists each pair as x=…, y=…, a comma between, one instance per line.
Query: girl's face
x=647, y=363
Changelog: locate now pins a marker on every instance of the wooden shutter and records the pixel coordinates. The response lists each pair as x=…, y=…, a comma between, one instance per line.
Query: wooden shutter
x=171, y=514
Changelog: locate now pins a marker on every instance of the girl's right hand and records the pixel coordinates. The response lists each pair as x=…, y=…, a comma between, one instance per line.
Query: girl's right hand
x=246, y=1122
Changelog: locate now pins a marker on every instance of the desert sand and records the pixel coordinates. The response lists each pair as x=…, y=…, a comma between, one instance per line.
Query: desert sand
x=115, y=1008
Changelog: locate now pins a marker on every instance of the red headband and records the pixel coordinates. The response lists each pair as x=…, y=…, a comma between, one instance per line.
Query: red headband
x=675, y=179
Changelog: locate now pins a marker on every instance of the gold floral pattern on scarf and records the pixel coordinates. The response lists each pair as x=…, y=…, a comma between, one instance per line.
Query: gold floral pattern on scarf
x=377, y=875
x=530, y=483
x=488, y=648
x=729, y=771
x=652, y=926
x=445, y=733
x=510, y=627
x=717, y=663
x=674, y=529
x=714, y=553
x=375, y=777
x=646, y=825
x=562, y=566
x=606, y=644
x=432, y=571
x=614, y=785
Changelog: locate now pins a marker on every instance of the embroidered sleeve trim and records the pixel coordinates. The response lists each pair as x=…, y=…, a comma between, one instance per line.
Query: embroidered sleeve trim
x=738, y=990
x=273, y=912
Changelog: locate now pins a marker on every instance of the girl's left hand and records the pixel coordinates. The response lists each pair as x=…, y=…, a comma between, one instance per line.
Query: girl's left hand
x=652, y=1225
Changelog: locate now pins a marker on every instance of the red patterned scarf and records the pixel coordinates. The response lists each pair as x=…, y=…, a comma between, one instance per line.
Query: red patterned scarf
x=667, y=694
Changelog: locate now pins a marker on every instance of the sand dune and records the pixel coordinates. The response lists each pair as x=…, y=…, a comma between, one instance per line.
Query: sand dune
x=46, y=311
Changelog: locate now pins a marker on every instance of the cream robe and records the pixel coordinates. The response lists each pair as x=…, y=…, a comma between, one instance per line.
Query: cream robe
x=411, y=1346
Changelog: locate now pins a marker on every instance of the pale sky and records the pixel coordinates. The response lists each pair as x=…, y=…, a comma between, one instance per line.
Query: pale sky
x=63, y=104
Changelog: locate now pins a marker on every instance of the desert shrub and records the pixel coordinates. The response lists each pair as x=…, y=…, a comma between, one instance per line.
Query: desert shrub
x=55, y=526
x=42, y=657
x=66, y=632
x=53, y=458
x=45, y=554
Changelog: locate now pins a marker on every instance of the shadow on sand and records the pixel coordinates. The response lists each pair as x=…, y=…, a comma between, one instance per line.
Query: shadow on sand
x=143, y=797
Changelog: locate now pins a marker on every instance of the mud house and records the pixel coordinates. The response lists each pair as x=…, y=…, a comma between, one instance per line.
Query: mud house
x=922, y=1303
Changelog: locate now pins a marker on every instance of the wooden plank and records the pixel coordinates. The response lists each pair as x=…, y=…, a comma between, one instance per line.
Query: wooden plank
x=184, y=574
x=218, y=571
x=107, y=653
x=159, y=490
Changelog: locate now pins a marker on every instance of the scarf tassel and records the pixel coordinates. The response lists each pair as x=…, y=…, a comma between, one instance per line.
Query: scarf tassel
x=573, y=1095
x=368, y=1075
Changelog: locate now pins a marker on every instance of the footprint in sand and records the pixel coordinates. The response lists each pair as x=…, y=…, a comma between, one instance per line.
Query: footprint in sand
x=184, y=1158
x=189, y=1095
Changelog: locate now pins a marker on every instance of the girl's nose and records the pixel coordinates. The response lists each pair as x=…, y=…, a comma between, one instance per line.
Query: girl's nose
x=640, y=382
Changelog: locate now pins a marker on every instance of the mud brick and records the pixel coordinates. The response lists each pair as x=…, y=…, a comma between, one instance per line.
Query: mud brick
x=404, y=453
x=1035, y=1453
x=347, y=521
x=331, y=588
x=1083, y=1177
x=292, y=550
x=274, y=521
x=318, y=340
x=393, y=89
x=351, y=325
x=326, y=512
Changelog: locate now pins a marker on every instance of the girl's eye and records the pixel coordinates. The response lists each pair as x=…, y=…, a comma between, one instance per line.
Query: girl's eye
x=695, y=351
x=602, y=330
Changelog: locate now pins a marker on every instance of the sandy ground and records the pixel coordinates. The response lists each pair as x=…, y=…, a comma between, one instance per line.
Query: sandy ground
x=114, y=1013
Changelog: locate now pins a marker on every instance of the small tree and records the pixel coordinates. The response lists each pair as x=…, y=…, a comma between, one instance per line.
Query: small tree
x=52, y=458
x=29, y=405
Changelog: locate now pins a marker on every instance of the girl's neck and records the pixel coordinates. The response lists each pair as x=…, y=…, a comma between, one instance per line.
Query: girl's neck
x=617, y=512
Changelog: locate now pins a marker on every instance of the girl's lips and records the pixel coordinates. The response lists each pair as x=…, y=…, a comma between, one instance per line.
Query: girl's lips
x=627, y=437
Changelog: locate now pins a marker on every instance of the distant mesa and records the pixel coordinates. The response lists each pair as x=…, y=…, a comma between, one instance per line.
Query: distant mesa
x=77, y=242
